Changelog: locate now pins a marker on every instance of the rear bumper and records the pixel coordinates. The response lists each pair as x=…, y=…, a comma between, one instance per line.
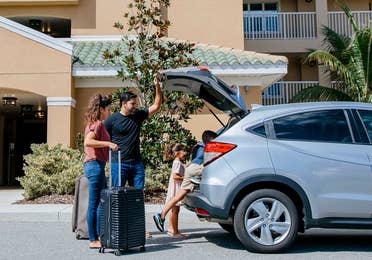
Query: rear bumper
x=196, y=200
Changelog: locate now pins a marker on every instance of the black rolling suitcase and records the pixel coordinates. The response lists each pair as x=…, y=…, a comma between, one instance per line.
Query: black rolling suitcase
x=122, y=217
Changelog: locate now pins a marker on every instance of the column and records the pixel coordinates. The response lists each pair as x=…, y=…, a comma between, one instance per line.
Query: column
x=321, y=7
x=60, y=120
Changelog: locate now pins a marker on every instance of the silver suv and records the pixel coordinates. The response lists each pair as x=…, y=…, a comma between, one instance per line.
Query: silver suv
x=275, y=171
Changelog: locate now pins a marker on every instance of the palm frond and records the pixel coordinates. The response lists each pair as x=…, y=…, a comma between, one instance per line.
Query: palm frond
x=348, y=13
x=334, y=42
x=323, y=57
x=320, y=93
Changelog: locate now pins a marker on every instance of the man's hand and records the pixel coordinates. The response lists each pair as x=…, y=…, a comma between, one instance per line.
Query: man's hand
x=156, y=80
x=157, y=102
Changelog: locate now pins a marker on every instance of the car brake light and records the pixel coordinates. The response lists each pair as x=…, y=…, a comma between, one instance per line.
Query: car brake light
x=214, y=150
x=202, y=212
x=203, y=68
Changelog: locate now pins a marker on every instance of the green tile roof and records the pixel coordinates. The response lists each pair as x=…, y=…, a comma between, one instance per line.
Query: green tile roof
x=90, y=54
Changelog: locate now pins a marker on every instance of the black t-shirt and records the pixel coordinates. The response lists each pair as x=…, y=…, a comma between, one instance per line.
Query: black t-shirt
x=125, y=132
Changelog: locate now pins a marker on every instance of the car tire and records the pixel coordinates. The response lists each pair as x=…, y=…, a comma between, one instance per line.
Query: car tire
x=266, y=221
x=228, y=227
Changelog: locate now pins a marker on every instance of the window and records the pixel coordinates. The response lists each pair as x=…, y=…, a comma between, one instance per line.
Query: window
x=258, y=130
x=324, y=126
x=366, y=117
x=264, y=16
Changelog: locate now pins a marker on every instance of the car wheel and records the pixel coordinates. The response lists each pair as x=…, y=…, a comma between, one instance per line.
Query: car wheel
x=227, y=227
x=266, y=221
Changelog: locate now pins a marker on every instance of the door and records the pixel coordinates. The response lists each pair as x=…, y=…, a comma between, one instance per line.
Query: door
x=365, y=117
x=317, y=149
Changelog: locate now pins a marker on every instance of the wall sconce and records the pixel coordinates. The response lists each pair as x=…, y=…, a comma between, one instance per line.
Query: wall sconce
x=40, y=114
x=10, y=101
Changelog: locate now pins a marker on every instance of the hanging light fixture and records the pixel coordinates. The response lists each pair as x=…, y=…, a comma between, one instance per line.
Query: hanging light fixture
x=10, y=101
x=40, y=113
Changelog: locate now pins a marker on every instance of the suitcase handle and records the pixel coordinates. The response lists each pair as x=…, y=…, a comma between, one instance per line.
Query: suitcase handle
x=119, y=167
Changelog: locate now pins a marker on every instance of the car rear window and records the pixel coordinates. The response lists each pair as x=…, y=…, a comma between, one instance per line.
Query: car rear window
x=324, y=126
x=258, y=130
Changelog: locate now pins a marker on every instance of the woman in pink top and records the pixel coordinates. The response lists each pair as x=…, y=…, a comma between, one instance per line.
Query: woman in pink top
x=96, y=146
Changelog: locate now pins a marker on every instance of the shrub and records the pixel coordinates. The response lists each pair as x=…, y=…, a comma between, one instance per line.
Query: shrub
x=50, y=170
x=156, y=180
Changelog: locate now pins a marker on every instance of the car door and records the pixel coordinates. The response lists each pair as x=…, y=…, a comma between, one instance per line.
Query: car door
x=317, y=150
x=363, y=119
x=201, y=82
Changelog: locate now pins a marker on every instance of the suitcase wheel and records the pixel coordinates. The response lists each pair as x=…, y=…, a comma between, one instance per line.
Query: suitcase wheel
x=118, y=252
x=101, y=250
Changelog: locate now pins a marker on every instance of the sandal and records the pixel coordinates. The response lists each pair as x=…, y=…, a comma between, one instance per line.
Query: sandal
x=179, y=235
x=95, y=245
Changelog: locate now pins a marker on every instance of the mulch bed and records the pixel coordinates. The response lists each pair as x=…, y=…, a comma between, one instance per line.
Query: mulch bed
x=154, y=198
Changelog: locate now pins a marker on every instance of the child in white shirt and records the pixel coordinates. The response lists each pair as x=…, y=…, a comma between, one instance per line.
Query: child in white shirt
x=178, y=152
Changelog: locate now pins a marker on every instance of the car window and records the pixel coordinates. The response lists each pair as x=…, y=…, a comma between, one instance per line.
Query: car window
x=366, y=117
x=259, y=130
x=325, y=126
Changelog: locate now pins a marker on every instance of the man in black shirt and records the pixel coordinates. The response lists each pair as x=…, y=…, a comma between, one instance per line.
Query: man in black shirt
x=124, y=129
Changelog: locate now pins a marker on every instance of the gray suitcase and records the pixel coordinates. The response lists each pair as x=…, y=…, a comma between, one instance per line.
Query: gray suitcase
x=80, y=208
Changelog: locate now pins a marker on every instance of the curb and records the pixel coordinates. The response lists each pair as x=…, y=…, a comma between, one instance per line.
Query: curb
x=55, y=212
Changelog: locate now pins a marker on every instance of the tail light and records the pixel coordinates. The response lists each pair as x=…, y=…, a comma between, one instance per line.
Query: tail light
x=201, y=212
x=203, y=68
x=214, y=150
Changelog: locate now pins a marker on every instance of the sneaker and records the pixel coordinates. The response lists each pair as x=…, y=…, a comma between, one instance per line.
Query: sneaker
x=195, y=181
x=159, y=222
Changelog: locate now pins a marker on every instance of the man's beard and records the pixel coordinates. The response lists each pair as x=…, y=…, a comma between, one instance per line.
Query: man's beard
x=132, y=111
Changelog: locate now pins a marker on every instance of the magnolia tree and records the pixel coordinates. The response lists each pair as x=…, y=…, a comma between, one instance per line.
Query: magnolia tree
x=142, y=53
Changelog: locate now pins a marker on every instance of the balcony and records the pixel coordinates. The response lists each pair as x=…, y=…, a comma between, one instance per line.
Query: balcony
x=279, y=25
x=297, y=25
x=283, y=92
x=339, y=22
x=37, y=2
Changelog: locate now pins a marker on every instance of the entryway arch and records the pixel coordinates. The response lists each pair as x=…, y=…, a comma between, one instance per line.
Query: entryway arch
x=23, y=121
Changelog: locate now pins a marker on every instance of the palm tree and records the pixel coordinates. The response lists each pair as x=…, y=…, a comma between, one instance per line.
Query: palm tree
x=349, y=58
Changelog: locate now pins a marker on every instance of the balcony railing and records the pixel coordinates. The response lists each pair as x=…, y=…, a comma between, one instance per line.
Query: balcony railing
x=339, y=22
x=278, y=25
x=283, y=92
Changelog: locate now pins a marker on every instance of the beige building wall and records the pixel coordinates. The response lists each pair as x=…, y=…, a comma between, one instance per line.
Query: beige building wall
x=253, y=96
x=201, y=122
x=35, y=68
x=89, y=17
x=215, y=22
x=286, y=5
x=354, y=5
x=297, y=70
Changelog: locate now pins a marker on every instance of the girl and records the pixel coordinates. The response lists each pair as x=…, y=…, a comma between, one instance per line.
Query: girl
x=96, y=145
x=178, y=152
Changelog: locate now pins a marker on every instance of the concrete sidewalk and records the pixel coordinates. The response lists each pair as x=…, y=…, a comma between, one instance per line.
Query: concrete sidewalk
x=44, y=212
